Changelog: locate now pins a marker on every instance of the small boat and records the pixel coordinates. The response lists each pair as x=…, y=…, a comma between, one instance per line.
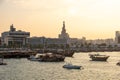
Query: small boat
x=98, y=57
x=70, y=66
x=1, y=62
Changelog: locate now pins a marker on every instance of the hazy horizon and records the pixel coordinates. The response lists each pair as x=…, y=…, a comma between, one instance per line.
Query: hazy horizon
x=93, y=19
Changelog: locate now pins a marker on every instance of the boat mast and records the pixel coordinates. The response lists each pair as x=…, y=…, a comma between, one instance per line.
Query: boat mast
x=43, y=45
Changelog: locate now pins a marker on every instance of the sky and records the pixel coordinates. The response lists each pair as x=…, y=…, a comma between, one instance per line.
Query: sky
x=93, y=19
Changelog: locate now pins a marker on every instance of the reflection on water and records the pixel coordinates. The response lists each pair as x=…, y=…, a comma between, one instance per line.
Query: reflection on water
x=22, y=69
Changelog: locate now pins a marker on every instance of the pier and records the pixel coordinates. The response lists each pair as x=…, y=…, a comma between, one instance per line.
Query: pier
x=16, y=54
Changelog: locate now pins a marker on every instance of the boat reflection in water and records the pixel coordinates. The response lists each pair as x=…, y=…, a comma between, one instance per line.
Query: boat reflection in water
x=98, y=57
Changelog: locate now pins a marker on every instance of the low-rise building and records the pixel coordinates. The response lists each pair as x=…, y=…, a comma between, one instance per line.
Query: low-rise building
x=102, y=42
x=46, y=42
x=75, y=42
x=56, y=41
x=35, y=41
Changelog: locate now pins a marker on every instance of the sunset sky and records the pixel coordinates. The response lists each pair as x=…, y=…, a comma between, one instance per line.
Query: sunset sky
x=92, y=19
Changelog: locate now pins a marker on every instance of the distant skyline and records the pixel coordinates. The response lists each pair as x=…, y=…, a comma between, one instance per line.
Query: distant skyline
x=93, y=19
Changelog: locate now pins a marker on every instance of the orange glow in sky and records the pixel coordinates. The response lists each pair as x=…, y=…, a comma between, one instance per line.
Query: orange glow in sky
x=92, y=19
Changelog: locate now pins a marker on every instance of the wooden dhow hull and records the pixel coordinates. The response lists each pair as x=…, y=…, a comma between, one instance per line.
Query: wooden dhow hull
x=97, y=57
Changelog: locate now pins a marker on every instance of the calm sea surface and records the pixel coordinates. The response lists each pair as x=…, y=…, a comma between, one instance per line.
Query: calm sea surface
x=23, y=69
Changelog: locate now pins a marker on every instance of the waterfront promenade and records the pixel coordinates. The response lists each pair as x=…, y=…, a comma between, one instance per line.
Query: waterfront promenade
x=17, y=53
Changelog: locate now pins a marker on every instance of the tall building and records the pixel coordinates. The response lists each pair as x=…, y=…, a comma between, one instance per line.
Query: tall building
x=117, y=37
x=14, y=38
x=63, y=34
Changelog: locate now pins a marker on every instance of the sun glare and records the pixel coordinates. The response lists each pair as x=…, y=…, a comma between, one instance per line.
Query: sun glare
x=73, y=11
x=69, y=1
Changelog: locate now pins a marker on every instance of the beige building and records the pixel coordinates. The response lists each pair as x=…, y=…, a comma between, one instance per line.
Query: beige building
x=13, y=37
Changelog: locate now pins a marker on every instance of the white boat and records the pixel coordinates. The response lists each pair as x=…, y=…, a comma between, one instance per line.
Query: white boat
x=34, y=58
x=70, y=66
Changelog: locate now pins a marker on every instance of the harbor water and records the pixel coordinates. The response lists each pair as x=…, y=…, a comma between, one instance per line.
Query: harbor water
x=23, y=69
